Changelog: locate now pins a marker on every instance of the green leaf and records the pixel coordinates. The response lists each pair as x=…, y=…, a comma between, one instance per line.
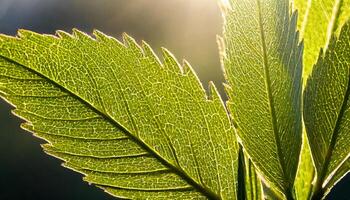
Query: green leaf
x=134, y=126
x=306, y=172
x=318, y=21
x=327, y=111
x=263, y=66
x=342, y=171
x=250, y=183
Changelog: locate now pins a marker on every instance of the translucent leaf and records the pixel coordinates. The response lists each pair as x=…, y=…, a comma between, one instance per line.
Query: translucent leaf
x=134, y=126
x=319, y=19
x=306, y=172
x=262, y=59
x=250, y=186
x=327, y=112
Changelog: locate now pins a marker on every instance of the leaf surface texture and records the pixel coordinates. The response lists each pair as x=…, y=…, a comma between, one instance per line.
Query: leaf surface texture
x=306, y=172
x=319, y=19
x=327, y=111
x=262, y=59
x=136, y=127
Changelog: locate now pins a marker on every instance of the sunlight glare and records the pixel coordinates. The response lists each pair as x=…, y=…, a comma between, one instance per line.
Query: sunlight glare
x=226, y=3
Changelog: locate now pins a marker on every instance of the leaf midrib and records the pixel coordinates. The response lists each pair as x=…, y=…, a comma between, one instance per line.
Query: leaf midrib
x=202, y=189
x=332, y=24
x=305, y=19
x=269, y=91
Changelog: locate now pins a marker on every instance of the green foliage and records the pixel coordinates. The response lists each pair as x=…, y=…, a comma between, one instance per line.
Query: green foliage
x=250, y=187
x=132, y=125
x=327, y=110
x=306, y=171
x=142, y=128
x=265, y=86
x=317, y=22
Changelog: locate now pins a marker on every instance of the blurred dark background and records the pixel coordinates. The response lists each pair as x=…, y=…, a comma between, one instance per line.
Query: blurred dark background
x=187, y=28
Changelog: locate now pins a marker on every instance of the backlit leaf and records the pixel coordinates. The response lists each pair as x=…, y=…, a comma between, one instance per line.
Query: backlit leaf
x=136, y=127
x=306, y=172
x=319, y=19
x=327, y=112
x=262, y=58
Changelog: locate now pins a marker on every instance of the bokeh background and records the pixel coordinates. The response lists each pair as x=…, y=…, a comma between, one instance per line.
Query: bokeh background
x=188, y=28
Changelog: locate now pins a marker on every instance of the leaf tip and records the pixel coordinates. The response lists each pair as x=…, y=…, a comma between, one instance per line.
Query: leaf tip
x=131, y=43
x=146, y=47
x=99, y=35
x=62, y=34
x=27, y=127
x=81, y=35
x=23, y=33
x=213, y=92
x=148, y=52
x=128, y=40
x=170, y=61
x=187, y=67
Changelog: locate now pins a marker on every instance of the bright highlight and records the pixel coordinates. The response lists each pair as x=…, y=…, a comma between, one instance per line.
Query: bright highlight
x=226, y=3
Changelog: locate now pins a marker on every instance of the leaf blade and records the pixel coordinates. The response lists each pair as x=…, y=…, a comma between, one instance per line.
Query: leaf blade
x=328, y=141
x=321, y=19
x=306, y=172
x=154, y=105
x=251, y=184
x=260, y=43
